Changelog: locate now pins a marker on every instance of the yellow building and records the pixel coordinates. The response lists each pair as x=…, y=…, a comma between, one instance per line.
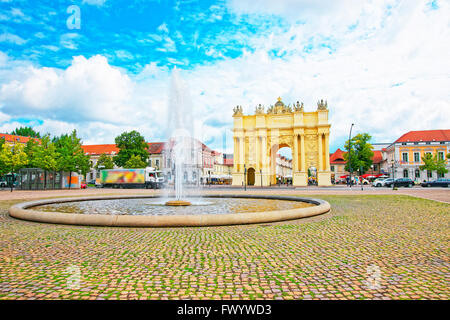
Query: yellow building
x=258, y=137
x=403, y=158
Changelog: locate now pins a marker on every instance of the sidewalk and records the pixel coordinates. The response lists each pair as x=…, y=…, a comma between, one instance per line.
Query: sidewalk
x=438, y=194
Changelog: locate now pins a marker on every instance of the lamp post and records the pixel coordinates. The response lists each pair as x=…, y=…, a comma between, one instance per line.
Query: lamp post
x=393, y=174
x=361, y=178
x=12, y=170
x=260, y=173
x=245, y=180
x=350, y=154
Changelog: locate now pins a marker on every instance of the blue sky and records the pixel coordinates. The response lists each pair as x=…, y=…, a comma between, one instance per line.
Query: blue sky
x=382, y=65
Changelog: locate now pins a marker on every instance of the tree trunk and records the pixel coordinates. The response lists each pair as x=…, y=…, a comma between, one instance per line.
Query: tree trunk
x=70, y=179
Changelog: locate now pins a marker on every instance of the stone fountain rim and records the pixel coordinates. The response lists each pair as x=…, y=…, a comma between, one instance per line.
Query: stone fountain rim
x=22, y=211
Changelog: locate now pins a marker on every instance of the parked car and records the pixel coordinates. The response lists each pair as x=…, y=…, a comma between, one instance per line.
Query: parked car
x=437, y=183
x=365, y=181
x=401, y=182
x=83, y=186
x=381, y=182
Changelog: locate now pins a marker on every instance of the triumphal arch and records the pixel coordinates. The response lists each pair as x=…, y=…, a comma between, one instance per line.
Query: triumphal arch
x=258, y=137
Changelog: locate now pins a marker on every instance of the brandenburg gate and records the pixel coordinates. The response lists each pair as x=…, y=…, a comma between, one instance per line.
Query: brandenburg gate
x=257, y=139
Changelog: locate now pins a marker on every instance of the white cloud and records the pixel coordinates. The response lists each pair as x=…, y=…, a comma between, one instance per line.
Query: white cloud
x=388, y=74
x=97, y=3
x=12, y=38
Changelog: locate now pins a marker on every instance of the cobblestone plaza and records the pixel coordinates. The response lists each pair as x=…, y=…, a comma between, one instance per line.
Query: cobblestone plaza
x=377, y=246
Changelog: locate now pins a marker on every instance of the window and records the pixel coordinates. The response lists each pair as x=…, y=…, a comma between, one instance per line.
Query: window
x=442, y=142
x=403, y=143
x=150, y=162
x=416, y=157
x=157, y=163
x=441, y=155
x=405, y=156
x=429, y=174
x=375, y=167
x=417, y=173
x=332, y=168
x=405, y=173
x=440, y=175
x=428, y=142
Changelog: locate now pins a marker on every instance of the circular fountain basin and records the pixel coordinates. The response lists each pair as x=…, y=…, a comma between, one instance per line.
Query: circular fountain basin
x=177, y=203
x=217, y=210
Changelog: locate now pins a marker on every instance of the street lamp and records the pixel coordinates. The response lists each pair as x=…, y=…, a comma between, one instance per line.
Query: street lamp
x=245, y=180
x=350, y=154
x=260, y=173
x=361, y=178
x=393, y=174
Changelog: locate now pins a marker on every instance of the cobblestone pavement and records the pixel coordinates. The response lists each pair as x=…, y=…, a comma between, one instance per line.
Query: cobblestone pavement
x=438, y=194
x=368, y=247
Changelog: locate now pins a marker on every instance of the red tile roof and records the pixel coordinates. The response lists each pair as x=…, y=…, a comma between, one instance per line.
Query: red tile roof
x=97, y=149
x=100, y=149
x=425, y=135
x=377, y=156
x=338, y=157
x=19, y=139
x=155, y=147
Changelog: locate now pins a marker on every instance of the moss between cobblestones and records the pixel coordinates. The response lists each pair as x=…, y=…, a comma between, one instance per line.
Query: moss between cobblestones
x=325, y=257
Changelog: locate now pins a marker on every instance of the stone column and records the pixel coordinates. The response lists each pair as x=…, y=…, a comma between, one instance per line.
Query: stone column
x=327, y=152
x=319, y=139
x=236, y=155
x=242, y=152
x=257, y=153
x=295, y=155
x=302, y=152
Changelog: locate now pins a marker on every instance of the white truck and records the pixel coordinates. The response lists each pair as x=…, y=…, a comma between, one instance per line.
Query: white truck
x=148, y=178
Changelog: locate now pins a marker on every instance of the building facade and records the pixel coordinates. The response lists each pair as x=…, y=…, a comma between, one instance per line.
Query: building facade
x=403, y=158
x=337, y=164
x=11, y=139
x=257, y=139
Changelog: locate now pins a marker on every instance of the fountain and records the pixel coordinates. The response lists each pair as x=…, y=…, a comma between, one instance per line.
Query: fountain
x=180, y=125
x=182, y=210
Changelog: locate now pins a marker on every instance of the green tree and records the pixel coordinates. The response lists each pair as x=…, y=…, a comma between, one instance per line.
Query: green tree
x=135, y=162
x=440, y=165
x=45, y=156
x=72, y=157
x=130, y=144
x=359, y=152
x=29, y=149
x=12, y=159
x=429, y=163
x=26, y=132
x=104, y=162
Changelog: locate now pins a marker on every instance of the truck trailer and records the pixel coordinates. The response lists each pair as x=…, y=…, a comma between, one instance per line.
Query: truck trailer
x=148, y=178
